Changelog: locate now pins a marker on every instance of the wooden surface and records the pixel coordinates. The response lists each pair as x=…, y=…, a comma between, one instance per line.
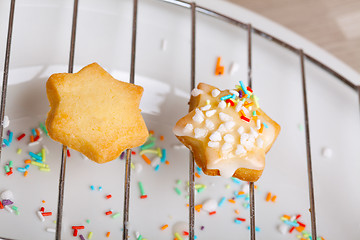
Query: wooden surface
x=334, y=25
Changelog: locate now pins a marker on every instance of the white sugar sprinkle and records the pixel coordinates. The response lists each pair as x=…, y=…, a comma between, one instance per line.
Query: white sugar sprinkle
x=209, y=124
x=6, y=122
x=327, y=152
x=210, y=113
x=258, y=124
x=226, y=147
x=240, y=150
x=229, y=125
x=229, y=138
x=51, y=230
x=200, y=132
x=198, y=117
x=215, y=136
x=195, y=92
x=206, y=107
x=188, y=128
x=222, y=104
x=215, y=92
x=239, y=106
x=241, y=130
x=213, y=144
x=234, y=92
x=225, y=117
x=222, y=128
x=254, y=132
x=234, y=67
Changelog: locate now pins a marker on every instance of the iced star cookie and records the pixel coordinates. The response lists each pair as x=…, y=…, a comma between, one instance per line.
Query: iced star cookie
x=227, y=132
x=94, y=113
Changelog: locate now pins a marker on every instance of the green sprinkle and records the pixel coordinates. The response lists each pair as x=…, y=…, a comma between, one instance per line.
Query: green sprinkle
x=11, y=164
x=254, y=113
x=200, y=190
x=116, y=215
x=140, y=237
x=17, y=213
x=177, y=191
x=87, y=221
x=147, y=146
x=19, y=151
x=14, y=208
x=187, y=197
x=7, y=168
x=178, y=182
x=142, y=192
x=42, y=126
x=90, y=235
x=177, y=235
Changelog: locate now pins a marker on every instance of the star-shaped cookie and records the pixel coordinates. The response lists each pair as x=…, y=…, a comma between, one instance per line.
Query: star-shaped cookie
x=94, y=113
x=227, y=132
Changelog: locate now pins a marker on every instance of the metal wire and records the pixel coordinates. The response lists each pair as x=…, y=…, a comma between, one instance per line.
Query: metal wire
x=191, y=158
x=128, y=151
x=64, y=148
x=6, y=70
x=308, y=149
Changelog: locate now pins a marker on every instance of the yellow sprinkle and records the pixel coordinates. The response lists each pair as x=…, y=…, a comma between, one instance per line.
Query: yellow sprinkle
x=19, y=151
x=43, y=169
x=90, y=235
x=43, y=154
x=42, y=165
x=132, y=166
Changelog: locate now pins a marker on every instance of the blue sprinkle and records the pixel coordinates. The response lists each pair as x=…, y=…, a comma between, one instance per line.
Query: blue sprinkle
x=243, y=88
x=247, y=199
x=239, y=196
x=92, y=188
x=21, y=169
x=6, y=142
x=265, y=125
x=100, y=188
x=157, y=167
x=235, y=180
x=221, y=201
x=163, y=157
x=39, y=161
x=257, y=229
x=27, y=166
x=226, y=97
x=233, y=96
x=10, y=136
x=294, y=224
x=237, y=221
x=35, y=156
x=33, y=131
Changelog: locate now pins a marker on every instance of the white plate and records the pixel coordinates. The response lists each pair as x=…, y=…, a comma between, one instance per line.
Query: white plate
x=40, y=47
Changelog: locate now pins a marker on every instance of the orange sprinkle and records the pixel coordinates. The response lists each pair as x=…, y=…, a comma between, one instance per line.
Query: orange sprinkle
x=219, y=70
x=151, y=132
x=241, y=192
x=242, y=113
x=198, y=207
x=247, y=104
x=167, y=162
x=27, y=161
x=287, y=217
x=254, y=118
x=245, y=96
x=162, y=138
x=261, y=128
x=26, y=173
x=37, y=132
x=258, y=113
x=164, y=227
x=43, y=201
x=273, y=199
x=108, y=234
x=187, y=205
x=268, y=197
x=31, y=138
x=146, y=159
x=300, y=228
x=237, y=212
x=255, y=186
x=232, y=200
x=197, y=175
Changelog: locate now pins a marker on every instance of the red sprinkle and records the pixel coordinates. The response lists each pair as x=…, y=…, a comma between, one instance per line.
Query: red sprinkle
x=245, y=119
x=46, y=214
x=212, y=213
x=42, y=209
x=9, y=173
x=143, y=196
x=229, y=101
x=75, y=232
x=108, y=213
x=1, y=205
x=77, y=227
x=241, y=219
x=298, y=216
x=108, y=196
x=36, y=138
x=301, y=224
x=68, y=153
x=248, y=88
x=133, y=152
x=21, y=136
x=291, y=229
x=185, y=233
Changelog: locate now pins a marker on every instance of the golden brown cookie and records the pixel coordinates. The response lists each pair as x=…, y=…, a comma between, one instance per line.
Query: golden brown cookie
x=227, y=132
x=94, y=113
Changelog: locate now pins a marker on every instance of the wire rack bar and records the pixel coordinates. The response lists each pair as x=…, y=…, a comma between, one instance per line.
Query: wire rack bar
x=251, y=184
x=128, y=151
x=308, y=149
x=64, y=148
x=6, y=70
x=191, y=157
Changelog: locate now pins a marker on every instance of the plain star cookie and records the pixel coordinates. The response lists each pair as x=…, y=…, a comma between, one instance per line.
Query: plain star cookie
x=94, y=113
x=227, y=132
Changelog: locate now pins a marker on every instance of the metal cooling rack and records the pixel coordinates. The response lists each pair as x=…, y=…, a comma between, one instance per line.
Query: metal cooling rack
x=194, y=8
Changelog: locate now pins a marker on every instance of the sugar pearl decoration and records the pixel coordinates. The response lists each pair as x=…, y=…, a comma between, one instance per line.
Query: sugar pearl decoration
x=215, y=136
x=222, y=104
x=225, y=117
x=229, y=138
x=200, y=132
x=213, y=144
x=215, y=92
x=196, y=92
